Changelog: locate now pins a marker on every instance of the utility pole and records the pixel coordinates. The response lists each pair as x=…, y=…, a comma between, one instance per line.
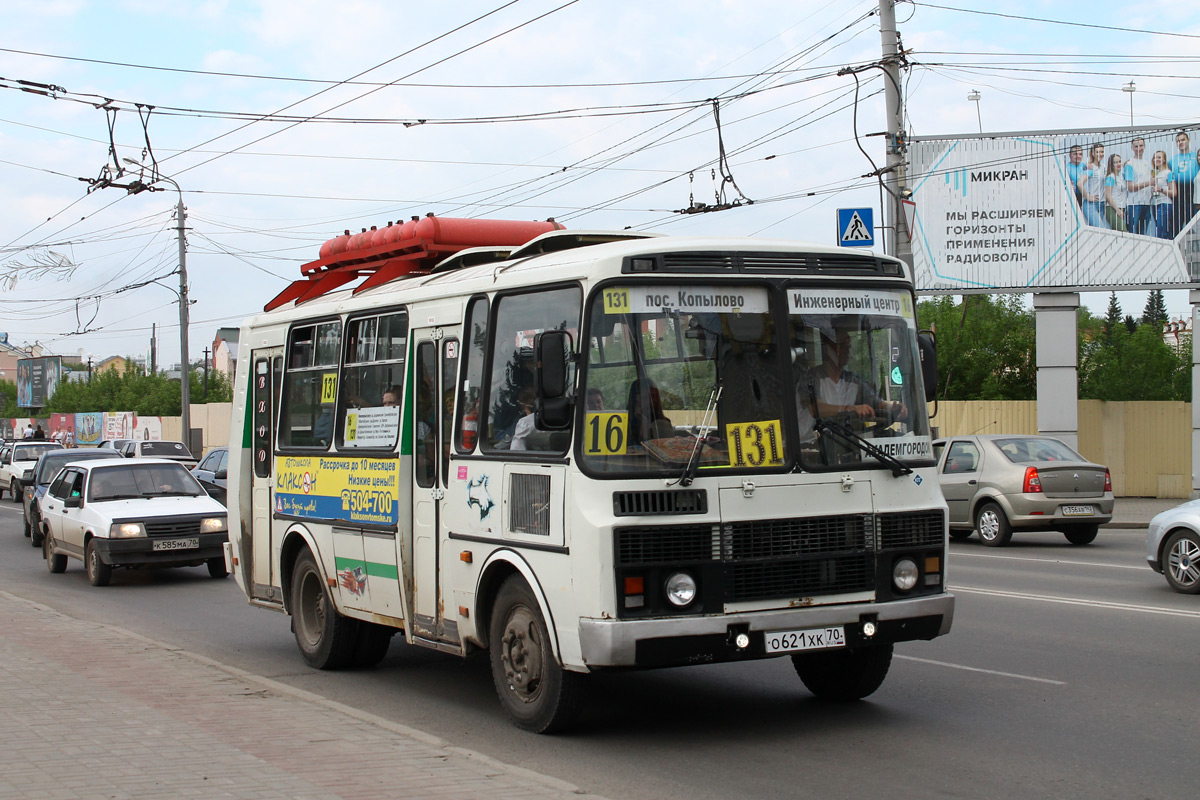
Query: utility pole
x=153, y=348
x=206, y=375
x=184, y=367
x=895, y=178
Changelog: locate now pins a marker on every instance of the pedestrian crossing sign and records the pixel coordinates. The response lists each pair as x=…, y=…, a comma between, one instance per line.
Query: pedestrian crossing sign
x=856, y=227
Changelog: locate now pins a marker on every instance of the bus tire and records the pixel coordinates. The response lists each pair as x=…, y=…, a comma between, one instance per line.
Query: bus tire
x=845, y=674
x=326, y=638
x=372, y=644
x=536, y=692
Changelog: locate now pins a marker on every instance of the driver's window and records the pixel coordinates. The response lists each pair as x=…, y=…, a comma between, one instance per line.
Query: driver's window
x=963, y=457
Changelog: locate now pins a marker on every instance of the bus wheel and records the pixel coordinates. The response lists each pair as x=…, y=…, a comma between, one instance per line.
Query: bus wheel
x=849, y=674
x=326, y=638
x=534, y=689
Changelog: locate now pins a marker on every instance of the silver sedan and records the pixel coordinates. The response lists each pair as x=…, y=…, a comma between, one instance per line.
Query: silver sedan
x=996, y=484
x=1173, y=546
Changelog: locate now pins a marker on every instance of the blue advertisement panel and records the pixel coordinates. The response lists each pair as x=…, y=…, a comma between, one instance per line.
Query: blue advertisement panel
x=357, y=490
x=89, y=428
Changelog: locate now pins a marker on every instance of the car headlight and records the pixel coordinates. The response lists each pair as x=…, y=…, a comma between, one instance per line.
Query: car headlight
x=904, y=574
x=212, y=525
x=127, y=530
x=681, y=589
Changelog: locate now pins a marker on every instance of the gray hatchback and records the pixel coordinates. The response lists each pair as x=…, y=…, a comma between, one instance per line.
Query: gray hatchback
x=996, y=484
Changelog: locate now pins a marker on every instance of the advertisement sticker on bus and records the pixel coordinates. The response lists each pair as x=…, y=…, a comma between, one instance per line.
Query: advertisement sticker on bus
x=361, y=490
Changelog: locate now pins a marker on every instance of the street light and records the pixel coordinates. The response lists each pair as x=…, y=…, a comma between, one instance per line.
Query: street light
x=974, y=97
x=184, y=371
x=1129, y=87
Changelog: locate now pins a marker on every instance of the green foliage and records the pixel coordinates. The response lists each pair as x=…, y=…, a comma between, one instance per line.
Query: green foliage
x=145, y=395
x=1133, y=365
x=985, y=347
x=1155, y=312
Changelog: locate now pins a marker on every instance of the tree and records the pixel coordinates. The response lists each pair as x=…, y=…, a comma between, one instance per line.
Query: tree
x=1112, y=318
x=1135, y=365
x=134, y=390
x=985, y=347
x=1155, y=313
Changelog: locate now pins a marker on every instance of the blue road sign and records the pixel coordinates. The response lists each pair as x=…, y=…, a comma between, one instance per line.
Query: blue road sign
x=856, y=227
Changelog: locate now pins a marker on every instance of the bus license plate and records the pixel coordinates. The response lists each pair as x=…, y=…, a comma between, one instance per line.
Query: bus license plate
x=812, y=639
x=1078, y=511
x=175, y=544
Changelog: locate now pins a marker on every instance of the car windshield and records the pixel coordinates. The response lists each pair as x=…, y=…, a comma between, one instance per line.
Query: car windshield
x=32, y=452
x=165, y=450
x=1033, y=450
x=124, y=482
x=51, y=463
x=697, y=378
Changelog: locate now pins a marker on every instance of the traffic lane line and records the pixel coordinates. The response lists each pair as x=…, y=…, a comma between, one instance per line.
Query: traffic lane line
x=958, y=555
x=1072, y=601
x=950, y=665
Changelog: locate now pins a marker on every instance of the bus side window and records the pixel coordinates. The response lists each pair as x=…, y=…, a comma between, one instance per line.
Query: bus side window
x=372, y=381
x=310, y=385
x=519, y=318
x=470, y=388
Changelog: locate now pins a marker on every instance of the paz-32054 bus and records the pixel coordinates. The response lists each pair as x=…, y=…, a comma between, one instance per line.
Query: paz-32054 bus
x=588, y=452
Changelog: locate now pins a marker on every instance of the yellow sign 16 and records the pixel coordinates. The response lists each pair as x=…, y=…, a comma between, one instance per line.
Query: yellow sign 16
x=328, y=387
x=755, y=444
x=606, y=433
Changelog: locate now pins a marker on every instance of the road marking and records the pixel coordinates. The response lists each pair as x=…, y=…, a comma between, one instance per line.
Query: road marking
x=986, y=671
x=1051, y=561
x=1072, y=601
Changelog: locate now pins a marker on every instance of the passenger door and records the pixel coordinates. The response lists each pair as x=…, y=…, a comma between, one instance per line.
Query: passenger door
x=267, y=373
x=433, y=390
x=959, y=479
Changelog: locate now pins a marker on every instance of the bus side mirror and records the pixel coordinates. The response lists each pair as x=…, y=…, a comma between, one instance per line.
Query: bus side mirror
x=927, y=344
x=553, y=409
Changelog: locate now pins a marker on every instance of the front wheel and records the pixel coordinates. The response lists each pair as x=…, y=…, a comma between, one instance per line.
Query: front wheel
x=844, y=674
x=98, y=573
x=14, y=491
x=992, y=525
x=538, y=694
x=216, y=567
x=1181, y=562
x=326, y=638
x=1082, y=534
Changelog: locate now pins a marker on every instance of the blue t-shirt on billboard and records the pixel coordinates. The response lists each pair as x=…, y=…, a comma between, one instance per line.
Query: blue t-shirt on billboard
x=1184, y=167
x=1073, y=173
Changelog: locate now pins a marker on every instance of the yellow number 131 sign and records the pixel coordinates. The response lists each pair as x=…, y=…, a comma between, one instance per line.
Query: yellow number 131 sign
x=755, y=444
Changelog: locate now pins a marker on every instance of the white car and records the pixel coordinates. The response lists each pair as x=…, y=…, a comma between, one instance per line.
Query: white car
x=1173, y=546
x=131, y=513
x=16, y=465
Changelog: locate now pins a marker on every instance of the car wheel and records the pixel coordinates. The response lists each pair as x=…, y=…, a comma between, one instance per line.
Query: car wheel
x=1081, y=534
x=29, y=530
x=35, y=532
x=992, y=525
x=55, y=562
x=14, y=491
x=1181, y=562
x=325, y=637
x=538, y=694
x=844, y=674
x=216, y=567
x=98, y=573
x=959, y=534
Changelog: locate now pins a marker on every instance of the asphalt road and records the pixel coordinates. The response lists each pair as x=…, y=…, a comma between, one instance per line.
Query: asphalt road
x=1069, y=673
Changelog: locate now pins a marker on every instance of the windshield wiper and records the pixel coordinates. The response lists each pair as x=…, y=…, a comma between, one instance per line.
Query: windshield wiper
x=693, y=462
x=850, y=437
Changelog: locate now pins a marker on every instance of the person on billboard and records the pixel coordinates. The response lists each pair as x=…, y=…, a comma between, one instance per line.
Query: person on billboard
x=1138, y=184
x=1091, y=187
x=1183, y=169
x=1162, y=192
x=1075, y=168
x=1115, y=194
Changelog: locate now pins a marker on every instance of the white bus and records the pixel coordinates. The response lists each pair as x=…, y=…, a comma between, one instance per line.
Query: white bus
x=592, y=452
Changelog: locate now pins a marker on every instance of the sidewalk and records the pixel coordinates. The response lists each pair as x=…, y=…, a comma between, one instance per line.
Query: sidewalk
x=1136, y=512
x=91, y=711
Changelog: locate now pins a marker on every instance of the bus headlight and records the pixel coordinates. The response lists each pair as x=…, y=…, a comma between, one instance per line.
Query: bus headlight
x=904, y=574
x=681, y=589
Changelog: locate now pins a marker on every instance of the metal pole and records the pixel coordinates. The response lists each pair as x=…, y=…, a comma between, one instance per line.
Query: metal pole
x=896, y=178
x=184, y=367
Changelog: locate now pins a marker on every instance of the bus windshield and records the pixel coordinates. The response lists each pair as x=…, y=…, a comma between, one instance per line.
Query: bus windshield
x=699, y=378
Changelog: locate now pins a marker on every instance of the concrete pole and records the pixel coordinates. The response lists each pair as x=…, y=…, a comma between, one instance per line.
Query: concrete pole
x=895, y=179
x=184, y=365
x=1055, y=318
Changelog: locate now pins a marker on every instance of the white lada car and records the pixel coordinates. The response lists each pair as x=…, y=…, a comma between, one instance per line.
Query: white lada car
x=131, y=513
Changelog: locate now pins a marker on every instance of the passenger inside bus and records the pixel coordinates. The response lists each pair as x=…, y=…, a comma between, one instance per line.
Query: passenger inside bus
x=646, y=417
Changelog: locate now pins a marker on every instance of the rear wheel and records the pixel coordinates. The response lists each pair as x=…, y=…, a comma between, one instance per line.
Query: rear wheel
x=55, y=562
x=14, y=491
x=538, y=694
x=992, y=525
x=326, y=638
x=1081, y=534
x=216, y=567
x=845, y=674
x=1181, y=562
x=98, y=573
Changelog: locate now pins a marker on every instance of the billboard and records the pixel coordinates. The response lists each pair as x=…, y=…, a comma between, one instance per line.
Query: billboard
x=1069, y=210
x=89, y=428
x=37, y=380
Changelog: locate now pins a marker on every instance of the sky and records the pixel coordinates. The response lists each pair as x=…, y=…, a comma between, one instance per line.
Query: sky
x=284, y=124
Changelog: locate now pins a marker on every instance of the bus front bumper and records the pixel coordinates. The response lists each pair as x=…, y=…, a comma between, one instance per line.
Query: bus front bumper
x=678, y=641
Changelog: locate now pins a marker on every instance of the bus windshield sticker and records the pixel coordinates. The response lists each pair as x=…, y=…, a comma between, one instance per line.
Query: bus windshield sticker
x=328, y=387
x=755, y=444
x=657, y=299
x=371, y=427
x=861, y=301
x=606, y=433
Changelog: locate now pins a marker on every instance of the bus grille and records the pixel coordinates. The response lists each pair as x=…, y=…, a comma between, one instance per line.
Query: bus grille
x=630, y=504
x=666, y=544
x=801, y=577
x=913, y=529
x=790, y=538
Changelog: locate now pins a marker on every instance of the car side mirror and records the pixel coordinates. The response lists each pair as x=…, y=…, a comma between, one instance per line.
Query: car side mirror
x=553, y=409
x=73, y=502
x=220, y=474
